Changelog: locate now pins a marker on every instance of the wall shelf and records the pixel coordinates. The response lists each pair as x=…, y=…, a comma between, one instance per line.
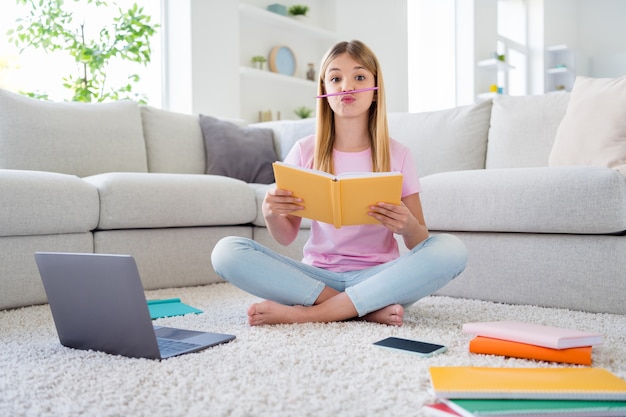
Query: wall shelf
x=560, y=68
x=494, y=64
x=284, y=22
x=259, y=32
x=269, y=75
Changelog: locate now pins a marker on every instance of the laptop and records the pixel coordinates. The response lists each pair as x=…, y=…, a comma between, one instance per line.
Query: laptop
x=98, y=303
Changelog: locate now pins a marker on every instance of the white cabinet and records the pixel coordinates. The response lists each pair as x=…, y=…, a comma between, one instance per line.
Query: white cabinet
x=265, y=91
x=561, y=63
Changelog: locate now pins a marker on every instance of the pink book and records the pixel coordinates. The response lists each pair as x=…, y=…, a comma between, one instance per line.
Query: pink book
x=534, y=334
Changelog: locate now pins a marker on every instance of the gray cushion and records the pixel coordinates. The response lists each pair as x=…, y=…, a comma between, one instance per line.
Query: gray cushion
x=174, y=142
x=245, y=153
x=523, y=129
x=140, y=200
x=72, y=138
x=445, y=140
x=577, y=199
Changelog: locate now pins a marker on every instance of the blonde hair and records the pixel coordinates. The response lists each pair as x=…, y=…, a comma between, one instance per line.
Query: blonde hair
x=379, y=132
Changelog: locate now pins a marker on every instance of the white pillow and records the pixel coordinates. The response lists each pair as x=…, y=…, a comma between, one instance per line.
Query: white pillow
x=593, y=131
x=444, y=140
x=523, y=129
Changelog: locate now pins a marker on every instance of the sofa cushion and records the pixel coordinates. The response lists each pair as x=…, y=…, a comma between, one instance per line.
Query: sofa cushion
x=174, y=142
x=445, y=140
x=139, y=200
x=576, y=199
x=72, y=138
x=46, y=203
x=593, y=131
x=245, y=153
x=523, y=129
x=287, y=133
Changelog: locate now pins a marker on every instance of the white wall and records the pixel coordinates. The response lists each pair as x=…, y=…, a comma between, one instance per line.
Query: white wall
x=202, y=52
x=381, y=25
x=602, y=36
x=203, y=45
x=432, y=75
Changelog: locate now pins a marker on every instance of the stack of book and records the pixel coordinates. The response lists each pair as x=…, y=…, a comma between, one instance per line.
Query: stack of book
x=512, y=392
x=532, y=341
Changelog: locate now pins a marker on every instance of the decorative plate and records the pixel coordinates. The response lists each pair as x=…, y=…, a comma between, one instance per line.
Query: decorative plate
x=282, y=60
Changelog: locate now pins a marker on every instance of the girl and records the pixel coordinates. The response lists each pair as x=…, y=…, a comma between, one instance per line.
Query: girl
x=354, y=271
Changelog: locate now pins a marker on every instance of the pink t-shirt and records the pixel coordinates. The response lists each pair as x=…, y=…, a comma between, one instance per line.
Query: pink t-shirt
x=353, y=248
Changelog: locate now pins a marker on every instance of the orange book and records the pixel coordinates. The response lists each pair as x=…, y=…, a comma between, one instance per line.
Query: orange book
x=341, y=200
x=534, y=334
x=490, y=346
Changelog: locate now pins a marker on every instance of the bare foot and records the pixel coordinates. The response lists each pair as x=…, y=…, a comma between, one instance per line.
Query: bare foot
x=391, y=315
x=270, y=312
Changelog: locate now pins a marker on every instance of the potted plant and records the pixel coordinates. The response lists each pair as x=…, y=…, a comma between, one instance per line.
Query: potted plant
x=298, y=10
x=303, y=112
x=258, y=61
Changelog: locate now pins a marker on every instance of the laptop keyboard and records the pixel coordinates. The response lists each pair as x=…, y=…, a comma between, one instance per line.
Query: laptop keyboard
x=169, y=347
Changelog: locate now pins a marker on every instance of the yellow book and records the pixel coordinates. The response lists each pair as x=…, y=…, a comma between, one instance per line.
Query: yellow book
x=341, y=200
x=527, y=383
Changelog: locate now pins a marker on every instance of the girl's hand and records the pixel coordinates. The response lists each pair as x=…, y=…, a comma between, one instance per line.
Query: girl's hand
x=397, y=218
x=279, y=202
x=406, y=219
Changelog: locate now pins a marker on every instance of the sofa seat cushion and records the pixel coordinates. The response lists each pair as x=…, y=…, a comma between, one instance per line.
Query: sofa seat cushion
x=72, y=138
x=45, y=203
x=152, y=200
x=576, y=199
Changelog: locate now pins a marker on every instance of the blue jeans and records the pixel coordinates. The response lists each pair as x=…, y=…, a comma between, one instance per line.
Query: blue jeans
x=265, y=273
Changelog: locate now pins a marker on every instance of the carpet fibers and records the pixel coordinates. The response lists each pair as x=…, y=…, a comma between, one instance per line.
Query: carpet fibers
x=283, y=370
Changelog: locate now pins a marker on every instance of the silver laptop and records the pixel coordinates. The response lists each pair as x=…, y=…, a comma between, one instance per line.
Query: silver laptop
x=98, y=303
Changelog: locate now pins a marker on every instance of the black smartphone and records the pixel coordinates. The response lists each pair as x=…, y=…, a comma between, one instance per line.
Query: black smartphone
x=423, y=349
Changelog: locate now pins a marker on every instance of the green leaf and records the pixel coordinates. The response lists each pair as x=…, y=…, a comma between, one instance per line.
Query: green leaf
x=48, y=25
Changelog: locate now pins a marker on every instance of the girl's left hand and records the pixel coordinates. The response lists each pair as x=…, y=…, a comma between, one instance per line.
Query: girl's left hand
x=397, y=218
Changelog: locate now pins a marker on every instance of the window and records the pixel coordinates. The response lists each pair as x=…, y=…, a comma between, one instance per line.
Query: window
x=512, y=43
x=432, y=48
x=34, y=70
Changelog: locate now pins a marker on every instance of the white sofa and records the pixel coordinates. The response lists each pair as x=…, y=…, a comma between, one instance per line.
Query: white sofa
x=124, y=178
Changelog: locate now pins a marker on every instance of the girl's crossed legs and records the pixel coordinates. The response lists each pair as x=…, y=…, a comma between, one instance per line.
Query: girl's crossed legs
x=297, y=293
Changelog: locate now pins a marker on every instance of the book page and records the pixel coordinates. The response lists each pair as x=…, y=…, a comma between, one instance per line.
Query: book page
x=313, y=187
x=358, y=193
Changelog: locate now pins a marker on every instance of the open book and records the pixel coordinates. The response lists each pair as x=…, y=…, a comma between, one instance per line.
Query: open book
x=341, y=200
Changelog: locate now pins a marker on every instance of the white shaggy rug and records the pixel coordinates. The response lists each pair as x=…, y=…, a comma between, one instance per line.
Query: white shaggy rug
x=284, y=370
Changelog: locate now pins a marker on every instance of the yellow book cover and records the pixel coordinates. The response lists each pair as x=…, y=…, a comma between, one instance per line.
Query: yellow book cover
x=527, y=383
x=341, y=200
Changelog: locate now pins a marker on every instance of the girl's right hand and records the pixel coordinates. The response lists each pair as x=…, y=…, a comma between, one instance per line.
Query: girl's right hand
x=278, y=202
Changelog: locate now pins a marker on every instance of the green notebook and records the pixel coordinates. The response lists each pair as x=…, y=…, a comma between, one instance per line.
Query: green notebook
x=169, y=307
x=535, y=408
